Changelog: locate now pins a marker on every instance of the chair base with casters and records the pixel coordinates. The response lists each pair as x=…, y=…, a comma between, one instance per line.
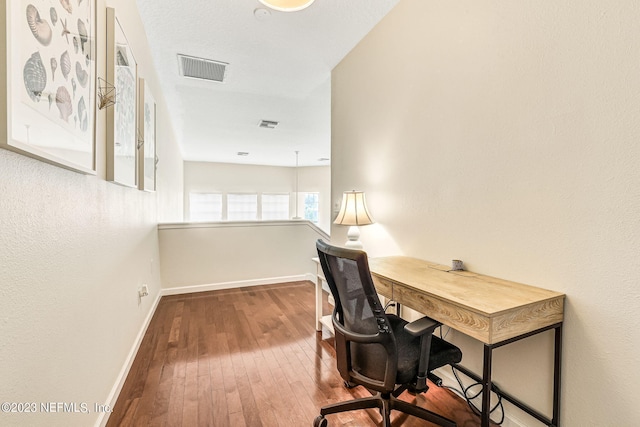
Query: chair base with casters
x=440, y=354
x=385, y=402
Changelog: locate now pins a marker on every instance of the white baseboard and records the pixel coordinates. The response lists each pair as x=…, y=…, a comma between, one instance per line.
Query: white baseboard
x=237, y=284
x=122, y=376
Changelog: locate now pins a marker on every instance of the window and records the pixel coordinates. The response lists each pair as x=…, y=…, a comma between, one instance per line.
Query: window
x=205, y=206
x=311, y=206
x=242, y=207
x=275, y=206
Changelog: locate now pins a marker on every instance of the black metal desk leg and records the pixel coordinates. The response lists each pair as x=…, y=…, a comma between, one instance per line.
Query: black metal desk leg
x=557, y=359
x=486, y=385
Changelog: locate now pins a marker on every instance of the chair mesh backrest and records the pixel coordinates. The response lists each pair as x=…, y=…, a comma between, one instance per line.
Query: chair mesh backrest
x=359, y=311
x=356, y=308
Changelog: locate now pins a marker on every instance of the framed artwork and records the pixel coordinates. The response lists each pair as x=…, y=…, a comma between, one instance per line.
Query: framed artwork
x=122, y=139
x=146, y=149
x=50, y=64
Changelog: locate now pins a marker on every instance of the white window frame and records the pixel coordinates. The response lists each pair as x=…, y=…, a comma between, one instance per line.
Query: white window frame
x=195, y=216
x=231, y=217
x=304, y=195
x=286, y=206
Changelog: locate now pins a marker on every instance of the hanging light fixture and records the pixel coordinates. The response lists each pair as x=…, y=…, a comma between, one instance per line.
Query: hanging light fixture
x=287, y=5
x=296, y=185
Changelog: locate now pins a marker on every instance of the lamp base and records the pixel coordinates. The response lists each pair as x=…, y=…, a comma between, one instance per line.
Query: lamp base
x=354, y=238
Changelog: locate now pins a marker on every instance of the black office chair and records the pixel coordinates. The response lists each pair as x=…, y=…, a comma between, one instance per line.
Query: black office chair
x=382, y=352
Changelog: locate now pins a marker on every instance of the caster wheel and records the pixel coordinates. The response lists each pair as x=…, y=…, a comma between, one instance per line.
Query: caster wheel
x=347, y=384
x=320, y=421
x=413, y=390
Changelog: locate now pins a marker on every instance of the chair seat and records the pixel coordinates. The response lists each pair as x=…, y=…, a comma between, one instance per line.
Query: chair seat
x=442, y=353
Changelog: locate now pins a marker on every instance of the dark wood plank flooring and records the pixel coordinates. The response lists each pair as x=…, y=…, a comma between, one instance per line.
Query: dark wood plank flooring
x=248, y=357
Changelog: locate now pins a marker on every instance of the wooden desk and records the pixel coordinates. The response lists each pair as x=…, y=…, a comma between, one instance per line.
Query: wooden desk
x=494, y=311
x=321, y=318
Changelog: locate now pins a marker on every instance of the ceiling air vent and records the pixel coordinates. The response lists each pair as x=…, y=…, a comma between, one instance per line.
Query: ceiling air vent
x=268, y=124
x=200, y=68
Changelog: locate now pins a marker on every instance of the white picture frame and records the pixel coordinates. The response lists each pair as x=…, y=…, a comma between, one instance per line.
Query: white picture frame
x=122, y=132
x=147, y=157
x=47, y=107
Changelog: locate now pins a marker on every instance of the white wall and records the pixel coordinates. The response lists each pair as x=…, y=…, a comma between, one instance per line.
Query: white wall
x=228, y=178
x=73, y=250
x=506, y=134
x=206, y=256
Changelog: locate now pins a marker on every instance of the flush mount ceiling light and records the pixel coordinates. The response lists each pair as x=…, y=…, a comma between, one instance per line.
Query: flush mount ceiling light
x=287, y=5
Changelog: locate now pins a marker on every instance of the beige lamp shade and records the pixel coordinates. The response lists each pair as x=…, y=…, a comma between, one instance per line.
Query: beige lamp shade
x=353, y=210
x=287, y=5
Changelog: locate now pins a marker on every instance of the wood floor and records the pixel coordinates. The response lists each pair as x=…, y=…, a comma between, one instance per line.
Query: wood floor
x=248, y=357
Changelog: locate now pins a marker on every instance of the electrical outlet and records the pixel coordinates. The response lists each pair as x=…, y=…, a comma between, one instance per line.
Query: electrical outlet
x=143, y=291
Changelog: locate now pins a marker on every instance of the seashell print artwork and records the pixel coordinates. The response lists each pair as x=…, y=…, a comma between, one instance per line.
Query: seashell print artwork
x=83, y=76
x=84, y=35
x=83, y=117
x=66, y=4
x=65, y=64
x=63, y=102
x=54, y=16
x=50, y=91
x=35, y=77
x=40, y=28
x=65, y=30
x=54, y=67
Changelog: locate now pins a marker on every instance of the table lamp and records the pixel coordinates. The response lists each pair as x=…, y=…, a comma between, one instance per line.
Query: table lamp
x=353, y=212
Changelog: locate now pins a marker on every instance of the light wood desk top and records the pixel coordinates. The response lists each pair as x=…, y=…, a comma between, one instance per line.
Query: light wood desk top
x=487, y=308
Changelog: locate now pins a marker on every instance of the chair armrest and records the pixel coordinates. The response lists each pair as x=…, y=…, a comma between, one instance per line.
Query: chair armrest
x=421, y=326
x=356, y=337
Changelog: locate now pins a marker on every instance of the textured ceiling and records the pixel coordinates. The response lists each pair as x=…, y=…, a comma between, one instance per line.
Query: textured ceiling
x=279, y=69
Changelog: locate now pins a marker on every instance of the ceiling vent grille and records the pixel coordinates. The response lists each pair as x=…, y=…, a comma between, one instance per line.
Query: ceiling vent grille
x=268, y=124
x=200, y=68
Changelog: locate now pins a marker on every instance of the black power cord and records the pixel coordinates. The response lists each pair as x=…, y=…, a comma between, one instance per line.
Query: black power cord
x=466, y=394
